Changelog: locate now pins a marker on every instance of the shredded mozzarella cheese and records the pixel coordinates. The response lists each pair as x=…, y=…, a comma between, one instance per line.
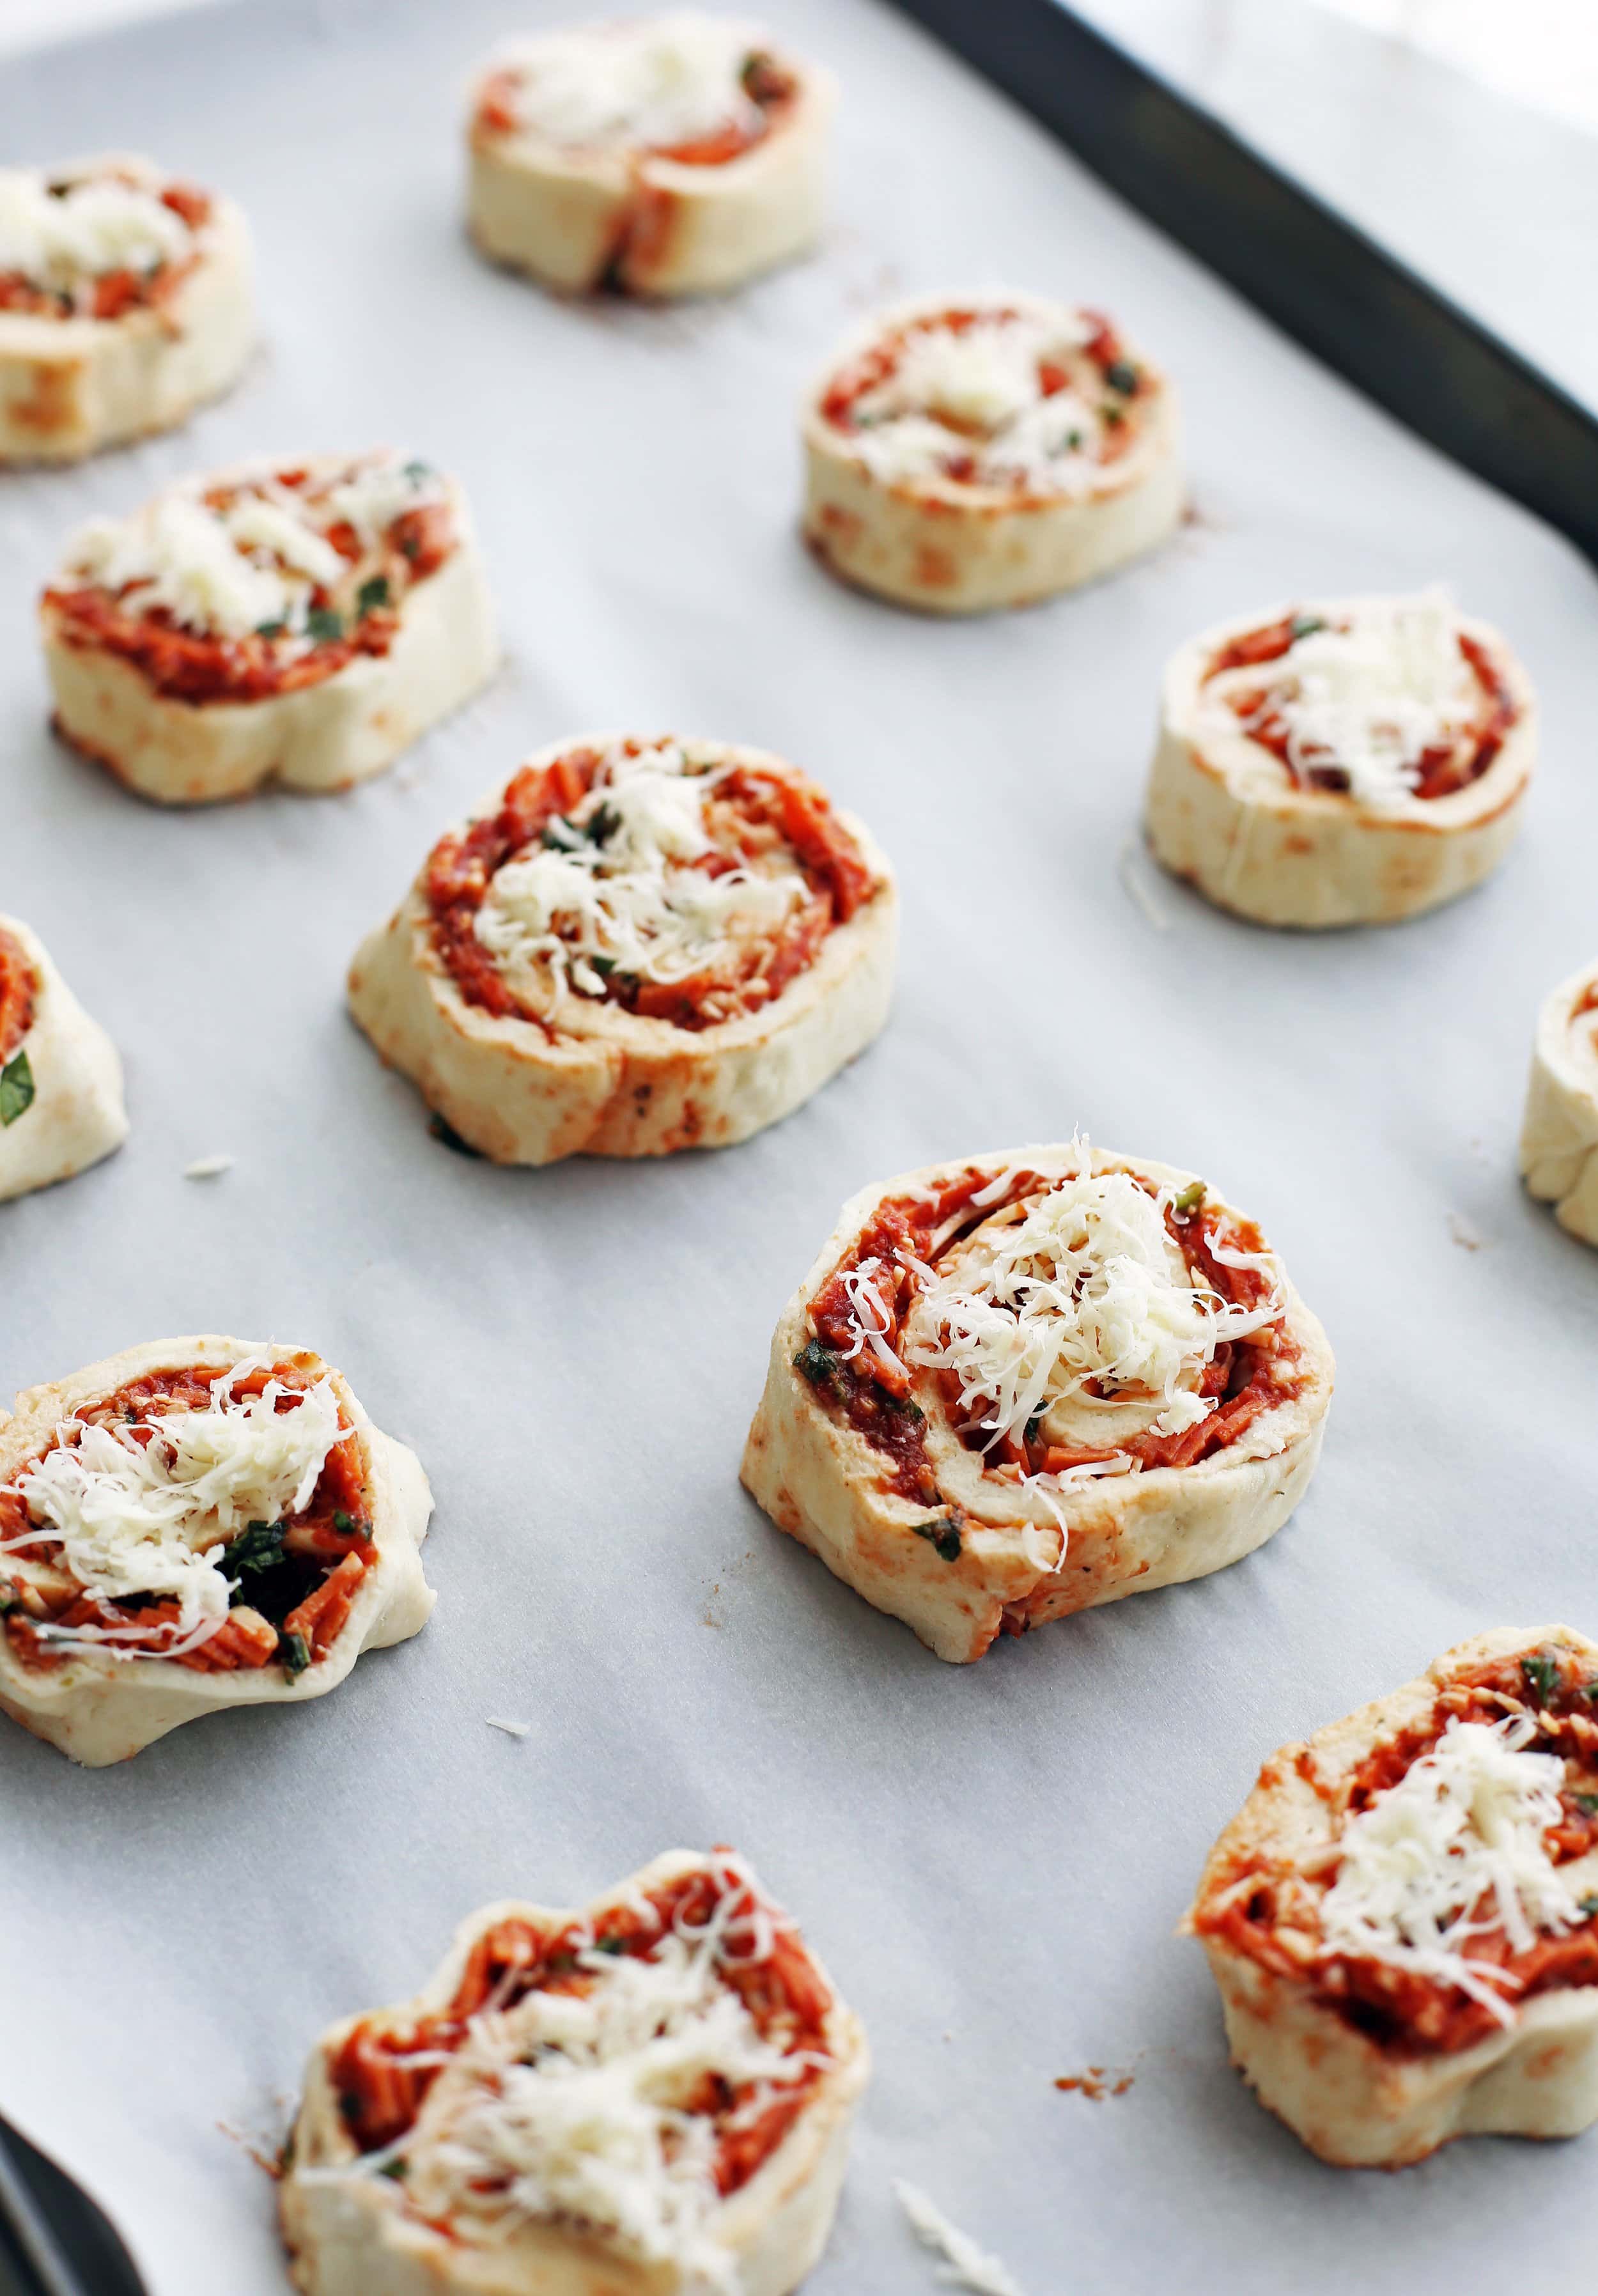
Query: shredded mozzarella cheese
x=1457, y=1847
x=63, y=243
x=977, y=393
x=665, y=81
x=964, y=2265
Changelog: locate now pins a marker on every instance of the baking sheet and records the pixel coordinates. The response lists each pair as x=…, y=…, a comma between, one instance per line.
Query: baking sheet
x=990, y=1859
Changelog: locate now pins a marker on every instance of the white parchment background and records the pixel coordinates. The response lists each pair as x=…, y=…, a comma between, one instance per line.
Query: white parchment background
x=990, y=1859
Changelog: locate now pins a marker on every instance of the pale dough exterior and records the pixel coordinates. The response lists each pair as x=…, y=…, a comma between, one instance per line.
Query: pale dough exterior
x=76, y=1116
x=1559, y=1133
x=1222, y=812
x=102, y=1710
x=354, y=2236
x=613, y=1083
x=578, y=219
x=1352, y=2101
x=821, y=1480
x=954, y=548
x=322, y=737
x=70, y=386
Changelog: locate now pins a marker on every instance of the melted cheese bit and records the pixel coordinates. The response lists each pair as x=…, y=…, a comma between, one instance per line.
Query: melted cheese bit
x=577, y=2108
x=61, y=243
x=253, y=564
x=964, y=2265
x=667, y=81
x=1466, y=1824
x=613, y=889
x=978, y=392
x=140, y=1519
x=1088, y=1286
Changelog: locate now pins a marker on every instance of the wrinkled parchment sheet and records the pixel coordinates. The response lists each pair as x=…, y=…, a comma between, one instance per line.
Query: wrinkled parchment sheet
x=991, y=1860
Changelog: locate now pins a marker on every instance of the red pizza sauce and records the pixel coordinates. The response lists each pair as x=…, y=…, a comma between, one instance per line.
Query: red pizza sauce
x=200, y=666
x=754, y=808
x=112, y=294
x=380, y=2093
x=18, y=992
x=1423, y=2016
x=326, y=1550
x=768, y=86
x=1440, y=771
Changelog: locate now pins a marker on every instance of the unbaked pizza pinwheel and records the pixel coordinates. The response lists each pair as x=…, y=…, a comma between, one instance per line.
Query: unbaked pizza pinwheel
x=636, y=946
x=651, y=2097
x=125, y=301
x=968, y=452
x=668, y=155
x=1016, y=1386
x=303, y=622
x=193, y=1524
x=1403, y=1918
x=1350, y=762
x=61, y=1079
x=1559, y=1133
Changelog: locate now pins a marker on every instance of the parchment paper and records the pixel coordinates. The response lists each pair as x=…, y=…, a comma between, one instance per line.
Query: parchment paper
x=991, y=1859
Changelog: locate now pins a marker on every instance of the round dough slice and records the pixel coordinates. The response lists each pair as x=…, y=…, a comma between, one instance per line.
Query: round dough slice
x=126, y=302
x=303, y=622
x=968, y=453
x=636, y=947
x=1403, y=1917
x=648, y=2097
x=668, y=155
x=192, y=1524
x=61, y=1080
x=1016, y=1386
x=1559, y=1133
x=1350, y=762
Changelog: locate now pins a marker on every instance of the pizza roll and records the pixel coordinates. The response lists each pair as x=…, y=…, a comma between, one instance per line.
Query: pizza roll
x=303, y=622
x=967, y=454
x=1016, y=1386
x=1559, y=1133
x=671, y=155
x=192, y=1524
x=1346, y=763
x=636, y=946
x=651, y=2097
x=1401, y=1917
x=125, y=301
x=61, y=1080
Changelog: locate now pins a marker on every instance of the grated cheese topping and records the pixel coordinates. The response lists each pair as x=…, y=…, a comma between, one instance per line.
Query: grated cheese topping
x=1369, y=695
x=63, y=243
x=613, y=888
x=964, y=2265
x=1081, y=1304
x=977, y=395
x=665, y=81
x=578, y=2109
x=141, y=1518
x=227, y=558
x=1457, y=1846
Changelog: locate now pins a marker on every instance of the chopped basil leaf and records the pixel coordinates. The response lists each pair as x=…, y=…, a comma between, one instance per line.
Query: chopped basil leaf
x=1189, y=1201
x=270, y=629
x=1542, y=1674
x=1112, y=415
x=817, y=1364
x=1073, y=441
x=257, y=1546
x=1304, y=626
x=903, y=1406
x=560, y=835
x=603, y=965
x=1589, y=1906
x=1029, y=1433
x=1589, y=1802
x=610, y=1944
x=8, y=1601
x=445, y=1132
x=322, y=623
x=16, y=1088
x=943, y=1534
x=394, y=2168
x=349, y=1526
x=604, y=823
x=1121, y=375
x=295, y=1652
x=417, y=471
x=372, y=594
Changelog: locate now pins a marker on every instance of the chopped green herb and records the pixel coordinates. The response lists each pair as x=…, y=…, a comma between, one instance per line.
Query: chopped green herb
x=1113, y=415
x=1591, y=1688
x=445, y=1132
x=1589, y=1802
x=942, y=1533
x=347, y=1526
x=1073, y=441
x=562, y=1964
x=270, y=629
x=820, y=1365
x=394, y=2168
x=1121, y=375
x=257, y=1546
x=903, y=1405
x=1304, y=626
x=603, y=965
x=417, y=471
x=1589, y=1906
x=323, y=624
x=603, y=822
x=1029, y=1433
x=610, y=1944
x=295, y=1652
x=16, y=1088
x=1542, y=1674
x=372, y=594
x=560, y=835
x=1189, y=1201
x=8, y=1601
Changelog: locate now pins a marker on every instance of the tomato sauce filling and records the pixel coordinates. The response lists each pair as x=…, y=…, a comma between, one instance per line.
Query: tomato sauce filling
x=770, y=89
x=1438, y=771
x=362, y=617
x=1244, y=1377
x=112, y=294
x=1410, y=2015
x=754, y=805
x=380, y=2087
x=19, y=993
x=288, y=1610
